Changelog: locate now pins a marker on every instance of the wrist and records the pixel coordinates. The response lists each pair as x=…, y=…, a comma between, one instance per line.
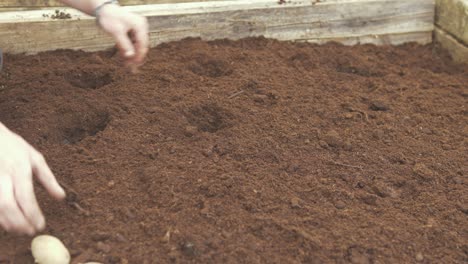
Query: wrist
x=98, y=10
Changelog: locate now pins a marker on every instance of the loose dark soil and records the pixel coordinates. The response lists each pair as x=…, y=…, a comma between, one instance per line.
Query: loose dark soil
x=251, y=151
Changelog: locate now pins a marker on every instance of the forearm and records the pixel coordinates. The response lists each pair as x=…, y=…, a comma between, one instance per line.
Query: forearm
x=85, y=6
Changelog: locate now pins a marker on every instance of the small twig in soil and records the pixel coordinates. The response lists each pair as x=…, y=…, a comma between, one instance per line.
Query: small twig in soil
x=236, y=94
x=351, y=109
x=364, y=114
x=346, y=165
x=77, y=206
x=167, y=237
x=107, y=160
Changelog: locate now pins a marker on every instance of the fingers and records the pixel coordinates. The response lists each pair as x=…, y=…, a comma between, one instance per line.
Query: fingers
x=141, y=41
x=45, y=176
x=19, y=209
x=124, y=44
x=11, y=216
x=120, y=23
x=26, y=199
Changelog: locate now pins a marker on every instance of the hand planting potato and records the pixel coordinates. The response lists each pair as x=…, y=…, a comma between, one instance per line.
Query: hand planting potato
x=49, y=250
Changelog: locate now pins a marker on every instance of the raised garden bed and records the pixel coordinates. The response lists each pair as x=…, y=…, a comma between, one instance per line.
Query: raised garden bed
x=250, y=151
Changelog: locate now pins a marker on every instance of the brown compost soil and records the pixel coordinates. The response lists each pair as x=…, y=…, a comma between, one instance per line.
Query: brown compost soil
x=250, y=151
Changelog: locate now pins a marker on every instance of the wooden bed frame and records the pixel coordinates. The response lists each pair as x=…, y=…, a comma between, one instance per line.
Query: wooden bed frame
x=380, y=22
x=451, y=29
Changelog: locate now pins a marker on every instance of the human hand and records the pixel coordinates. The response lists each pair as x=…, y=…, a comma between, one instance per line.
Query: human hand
x=19, y=162
x=129, y=30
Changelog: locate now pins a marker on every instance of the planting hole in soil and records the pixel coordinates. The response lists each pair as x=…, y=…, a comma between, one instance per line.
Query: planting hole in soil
x=76, y=125
x=209, y=117
x=88, y=79
x=210, y=67
x=249, y=151
x=89, y=126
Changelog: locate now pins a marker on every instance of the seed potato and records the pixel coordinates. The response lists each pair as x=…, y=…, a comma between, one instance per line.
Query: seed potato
x=49, y=250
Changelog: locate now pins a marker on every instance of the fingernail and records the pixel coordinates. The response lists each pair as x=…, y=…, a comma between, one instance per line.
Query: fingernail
x=40, y=223
x=61, y=193
x=129, y=53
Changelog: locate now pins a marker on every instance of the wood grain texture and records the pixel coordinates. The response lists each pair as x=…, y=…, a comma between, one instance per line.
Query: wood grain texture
x=55, y=3
x=452, y=16
x=457, y=50
x=346, y=21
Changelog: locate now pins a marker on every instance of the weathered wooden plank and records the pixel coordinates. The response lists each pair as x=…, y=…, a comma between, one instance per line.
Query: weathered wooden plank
x=382, y=39
x=457, y=50
x=347, y=21
x=29, y=3
x=57, y=3
x=452, y=16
